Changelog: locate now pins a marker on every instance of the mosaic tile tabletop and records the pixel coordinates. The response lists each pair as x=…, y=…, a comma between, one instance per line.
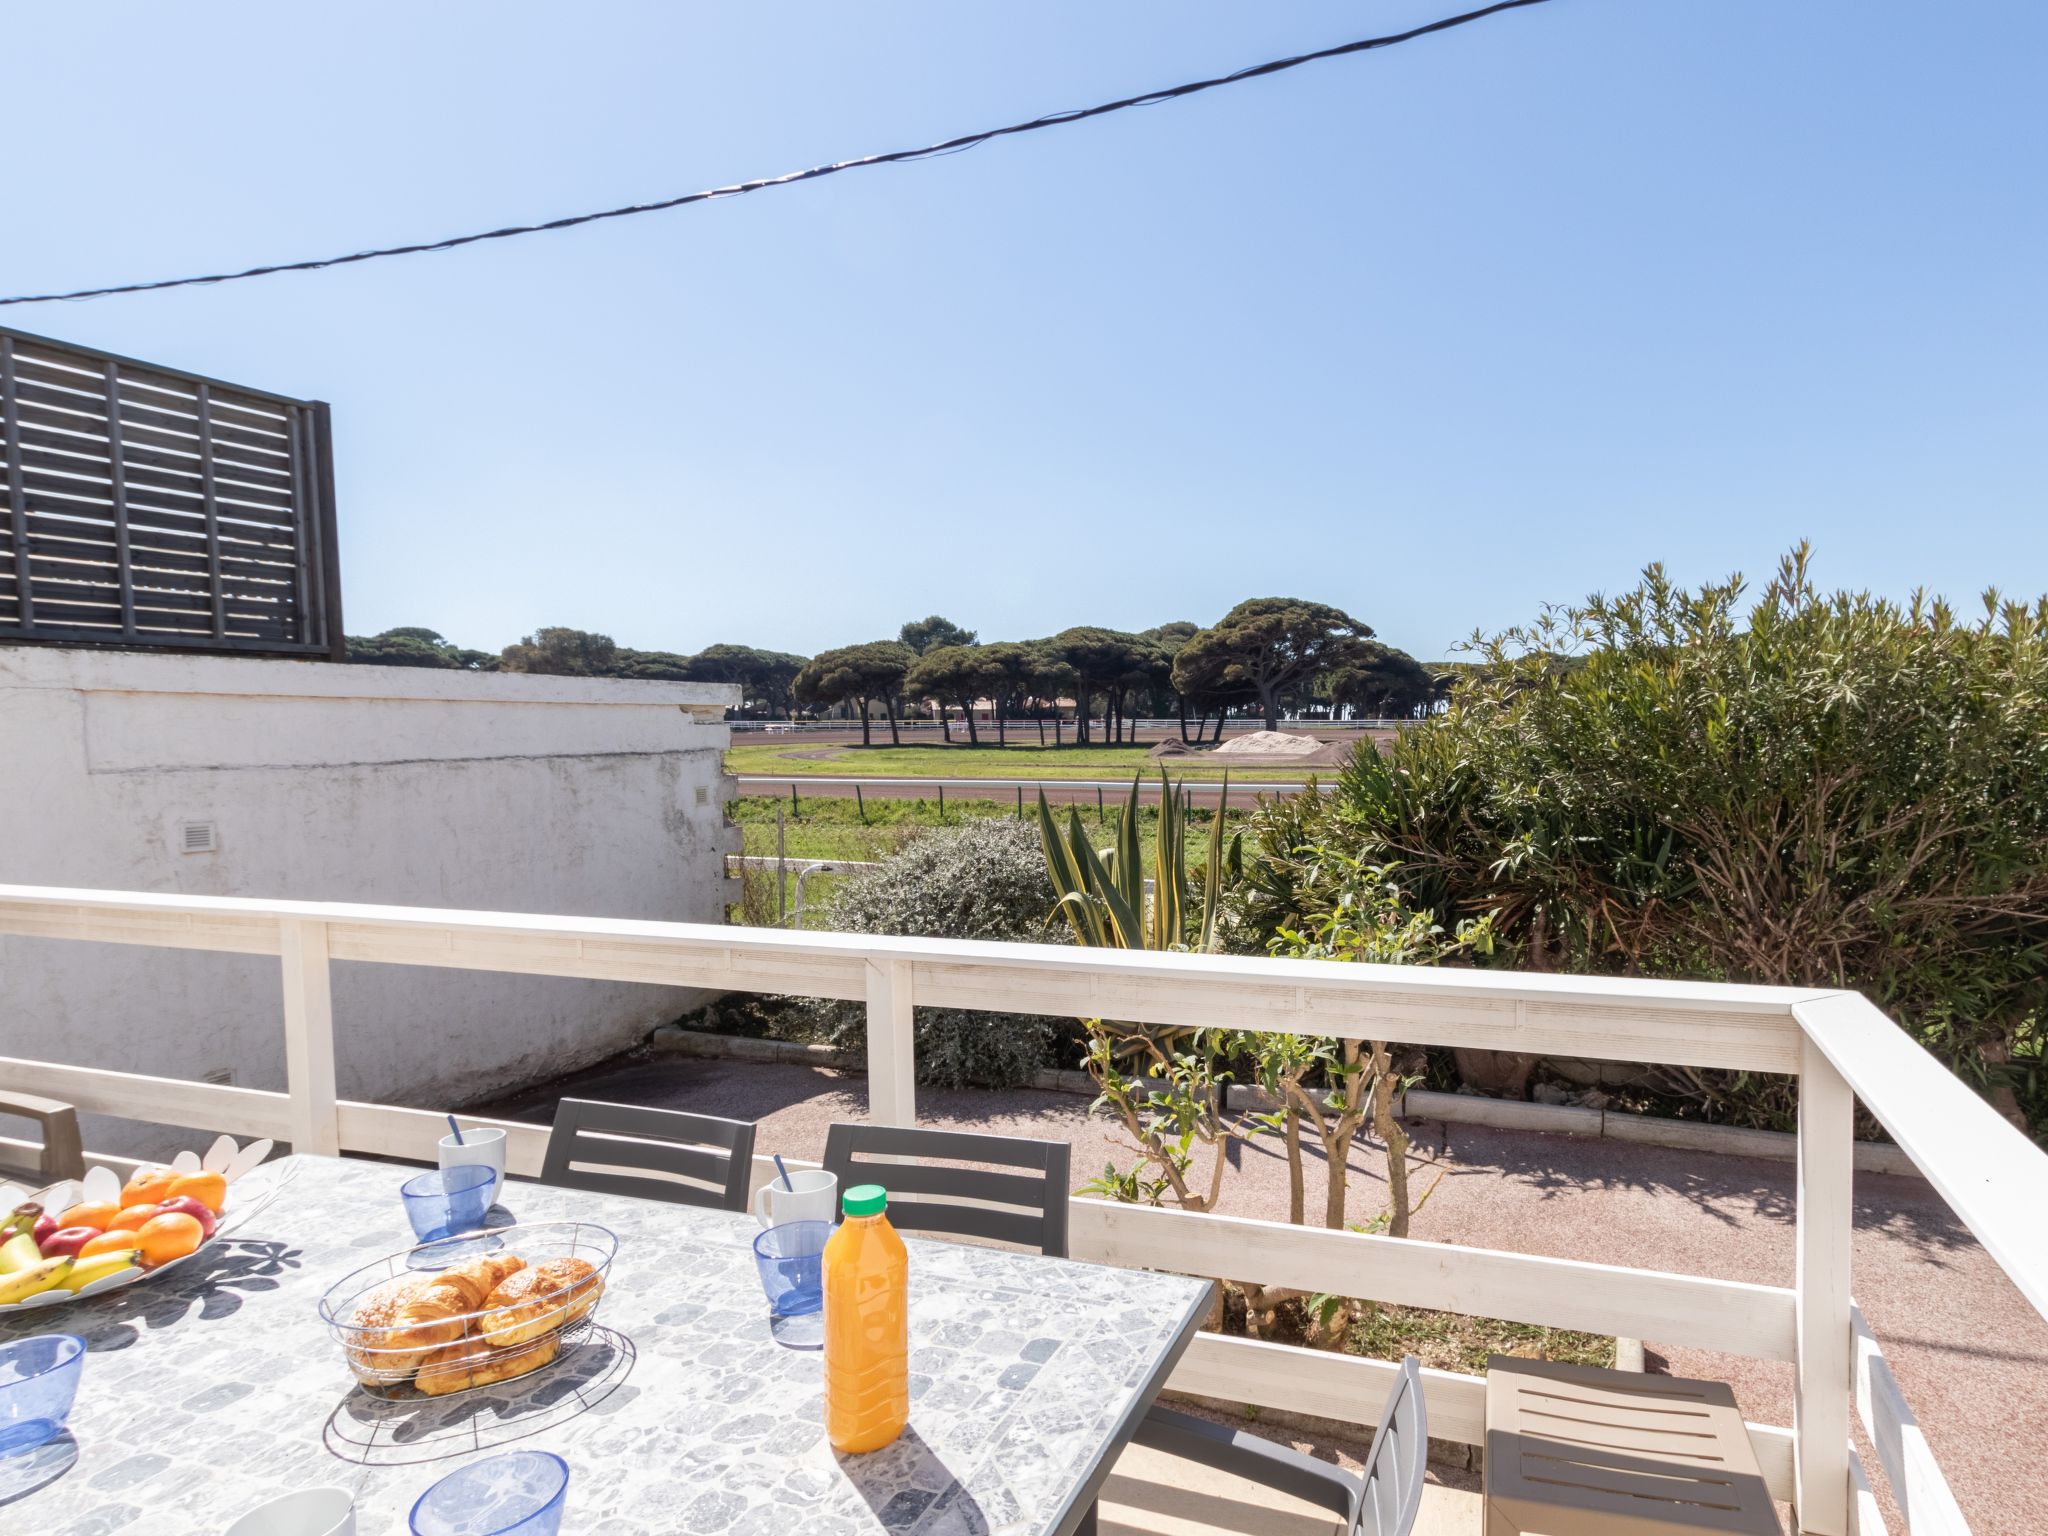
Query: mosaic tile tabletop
x=217, y=1387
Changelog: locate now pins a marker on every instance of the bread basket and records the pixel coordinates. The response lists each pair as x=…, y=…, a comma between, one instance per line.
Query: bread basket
x=404, y=1348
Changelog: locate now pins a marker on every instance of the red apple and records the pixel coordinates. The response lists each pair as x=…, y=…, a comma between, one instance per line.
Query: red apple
x=45, y=1229
x=66, y=1241
x=192, y=1208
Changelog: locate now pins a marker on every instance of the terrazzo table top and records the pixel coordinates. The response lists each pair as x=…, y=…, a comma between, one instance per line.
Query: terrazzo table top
x=217, y=1387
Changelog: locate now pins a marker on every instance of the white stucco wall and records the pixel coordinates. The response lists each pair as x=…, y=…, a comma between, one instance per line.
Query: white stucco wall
x=388, y=784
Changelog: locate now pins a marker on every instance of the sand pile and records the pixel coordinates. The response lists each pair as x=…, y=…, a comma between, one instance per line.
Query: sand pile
x=1269, y=744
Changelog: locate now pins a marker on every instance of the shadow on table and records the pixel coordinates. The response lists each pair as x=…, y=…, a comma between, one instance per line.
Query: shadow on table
x=208, y=1287
x=32, y=1471
x=906, y=1481
x=591, y=1374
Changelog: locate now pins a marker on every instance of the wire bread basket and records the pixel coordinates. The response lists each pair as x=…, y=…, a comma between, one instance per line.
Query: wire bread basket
x=409, y=1330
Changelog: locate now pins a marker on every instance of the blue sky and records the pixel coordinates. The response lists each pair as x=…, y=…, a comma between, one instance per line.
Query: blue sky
x=1437, y=334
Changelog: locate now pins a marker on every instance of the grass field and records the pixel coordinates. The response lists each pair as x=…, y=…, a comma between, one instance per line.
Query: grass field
x=828, y=827
x=989, y=762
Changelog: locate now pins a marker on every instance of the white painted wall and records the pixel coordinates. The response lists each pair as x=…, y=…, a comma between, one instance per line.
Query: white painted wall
x=388, y=784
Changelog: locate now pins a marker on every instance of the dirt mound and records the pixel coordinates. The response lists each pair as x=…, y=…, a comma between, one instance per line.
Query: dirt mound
x=1173, y=746
x=1270, y=744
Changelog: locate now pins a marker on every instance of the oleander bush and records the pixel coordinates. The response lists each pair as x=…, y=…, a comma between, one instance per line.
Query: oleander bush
x=982, y=879
x=1826, y=789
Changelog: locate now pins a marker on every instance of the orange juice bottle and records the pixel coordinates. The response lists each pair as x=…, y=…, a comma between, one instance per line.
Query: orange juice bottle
x=867, y=1326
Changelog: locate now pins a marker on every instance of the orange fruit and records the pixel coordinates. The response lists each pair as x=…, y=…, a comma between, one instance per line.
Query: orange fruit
x=149, y=1186
x=167, y=1237
x=100, y=1216
x=208, y=1188
x=131, y=1218
x=108, y=1242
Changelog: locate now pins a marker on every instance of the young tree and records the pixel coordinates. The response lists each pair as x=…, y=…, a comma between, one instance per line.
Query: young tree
x=562, y=652
x=858, y=675
x=932, y=633
x=953, y=674
x=1270, y=644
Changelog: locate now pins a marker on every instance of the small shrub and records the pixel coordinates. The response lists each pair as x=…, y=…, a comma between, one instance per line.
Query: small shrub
x=980, y=880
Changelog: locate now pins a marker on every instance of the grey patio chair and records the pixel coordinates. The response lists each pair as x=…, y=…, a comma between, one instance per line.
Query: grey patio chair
x=1384, y=1502
x=1033, y=1204
x=63, y=1151
x=655, y=1154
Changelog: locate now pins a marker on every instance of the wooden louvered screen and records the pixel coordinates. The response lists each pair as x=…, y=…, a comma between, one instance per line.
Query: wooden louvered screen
x=147, y=507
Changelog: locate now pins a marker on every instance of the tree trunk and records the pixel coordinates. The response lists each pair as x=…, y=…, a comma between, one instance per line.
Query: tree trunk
x=1394, y=1137
x=946, y=724
x=1270, y=698
x=1002, y=732
x=973, y=739
x=1183, y=721
x=1081, y=717
x=1297, y=1197
x=895, y=736
x=865, y=739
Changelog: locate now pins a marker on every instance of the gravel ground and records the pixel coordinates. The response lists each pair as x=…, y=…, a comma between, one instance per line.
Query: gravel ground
x=1969, y=1352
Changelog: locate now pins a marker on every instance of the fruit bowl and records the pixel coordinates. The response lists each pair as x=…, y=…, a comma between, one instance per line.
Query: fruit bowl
x=456, y=1347
x=116, y=1234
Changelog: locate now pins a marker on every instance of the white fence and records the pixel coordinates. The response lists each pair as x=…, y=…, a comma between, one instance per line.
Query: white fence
x=1837, y=1043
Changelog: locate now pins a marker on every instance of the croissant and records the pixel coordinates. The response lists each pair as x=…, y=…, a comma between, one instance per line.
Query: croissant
x=473, y=1363
x=539, y=1300
x=477, y=1278
x=379, y=1354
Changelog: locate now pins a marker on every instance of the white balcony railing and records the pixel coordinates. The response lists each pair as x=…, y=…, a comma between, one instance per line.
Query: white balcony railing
x=1840, y=1047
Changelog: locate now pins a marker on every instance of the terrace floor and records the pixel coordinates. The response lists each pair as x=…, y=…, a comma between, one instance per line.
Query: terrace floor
x=1970, y=1354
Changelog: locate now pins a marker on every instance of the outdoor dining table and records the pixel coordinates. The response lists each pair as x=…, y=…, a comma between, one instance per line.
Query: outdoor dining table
x=217, y=1386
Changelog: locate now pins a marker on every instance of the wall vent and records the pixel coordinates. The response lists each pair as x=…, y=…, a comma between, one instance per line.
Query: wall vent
x=198, y=837
x=220, y=1077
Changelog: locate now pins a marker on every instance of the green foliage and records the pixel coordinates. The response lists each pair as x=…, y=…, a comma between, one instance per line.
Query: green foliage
x=1381, y=682
x=955, y=674
x=562, y=652
x=980, y=880
x=858, y=675
x=415, y=646
x=934, y=633
x=1831, y=790
x=764, y=678
x=1266, y=645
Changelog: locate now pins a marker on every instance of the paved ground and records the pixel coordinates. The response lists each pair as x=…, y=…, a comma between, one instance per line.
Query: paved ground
x=1970, y=1354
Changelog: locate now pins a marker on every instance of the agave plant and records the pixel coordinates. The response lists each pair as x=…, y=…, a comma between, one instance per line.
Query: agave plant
x=1165, y=1084
x=1102, y=893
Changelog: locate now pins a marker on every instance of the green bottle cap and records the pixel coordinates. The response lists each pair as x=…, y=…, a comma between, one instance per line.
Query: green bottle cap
x=866, y=1200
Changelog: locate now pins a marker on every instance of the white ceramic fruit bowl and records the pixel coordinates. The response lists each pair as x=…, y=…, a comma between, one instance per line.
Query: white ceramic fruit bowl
x=103, y=1186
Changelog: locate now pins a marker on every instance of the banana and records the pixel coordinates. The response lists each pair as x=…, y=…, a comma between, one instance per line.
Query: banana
x=99, y=1266
x=18, y=1253
x=34, y=1280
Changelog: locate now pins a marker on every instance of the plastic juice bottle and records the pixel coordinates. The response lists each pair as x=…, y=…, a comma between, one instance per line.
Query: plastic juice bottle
x=867, y=1326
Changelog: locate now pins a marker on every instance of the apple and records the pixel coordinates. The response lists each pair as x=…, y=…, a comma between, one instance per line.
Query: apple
x=66, y=1241
x=190, y=1207
x=45, y=1227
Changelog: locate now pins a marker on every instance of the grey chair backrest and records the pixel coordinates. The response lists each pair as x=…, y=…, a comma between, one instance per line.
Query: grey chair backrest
x=1384, y=1502
x=655, y=1154
x=1396, y=1467
x=1036, y=1198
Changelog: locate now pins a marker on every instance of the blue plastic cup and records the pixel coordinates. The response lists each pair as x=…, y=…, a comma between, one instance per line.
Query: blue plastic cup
x=447, y=1201
x=38, y=1383
x=791, y=1259
x=520, y=1491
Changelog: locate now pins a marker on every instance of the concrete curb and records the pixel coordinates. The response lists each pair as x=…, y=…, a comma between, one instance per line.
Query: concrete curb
x=1457, y=1108
x=672, y=1040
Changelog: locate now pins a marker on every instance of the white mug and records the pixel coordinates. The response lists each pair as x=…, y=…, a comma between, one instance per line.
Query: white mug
x=480, y=1144
x=812, y=1195
x=314, y=1512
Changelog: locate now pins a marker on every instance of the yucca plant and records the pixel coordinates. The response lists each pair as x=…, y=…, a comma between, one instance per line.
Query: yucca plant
x=1165, y=1084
